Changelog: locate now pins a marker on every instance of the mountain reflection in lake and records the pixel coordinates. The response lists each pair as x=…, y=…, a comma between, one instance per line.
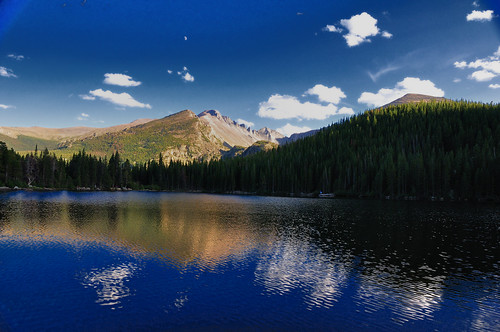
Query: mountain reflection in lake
x=161, y=261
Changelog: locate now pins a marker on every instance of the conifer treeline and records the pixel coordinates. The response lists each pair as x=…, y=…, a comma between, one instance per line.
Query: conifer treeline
x=438, y=149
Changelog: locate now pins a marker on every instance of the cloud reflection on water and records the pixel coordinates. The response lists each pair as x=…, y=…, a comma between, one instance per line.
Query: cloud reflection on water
x=110, y=283
x=298, y=265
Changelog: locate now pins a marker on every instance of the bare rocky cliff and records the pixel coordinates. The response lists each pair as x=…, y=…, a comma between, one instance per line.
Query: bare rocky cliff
x=234, y=134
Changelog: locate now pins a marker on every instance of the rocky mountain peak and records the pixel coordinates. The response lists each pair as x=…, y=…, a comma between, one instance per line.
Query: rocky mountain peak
x=214, y=113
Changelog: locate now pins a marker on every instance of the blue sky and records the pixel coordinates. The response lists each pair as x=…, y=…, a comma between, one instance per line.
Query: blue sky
x=291, y=65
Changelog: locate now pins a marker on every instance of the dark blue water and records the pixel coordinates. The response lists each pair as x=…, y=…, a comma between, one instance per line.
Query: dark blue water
x=161, y=261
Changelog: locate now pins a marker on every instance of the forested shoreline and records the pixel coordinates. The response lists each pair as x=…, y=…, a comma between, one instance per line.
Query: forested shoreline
x=441, y=150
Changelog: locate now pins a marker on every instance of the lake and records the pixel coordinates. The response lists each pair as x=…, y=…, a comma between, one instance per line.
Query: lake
x=171, y=261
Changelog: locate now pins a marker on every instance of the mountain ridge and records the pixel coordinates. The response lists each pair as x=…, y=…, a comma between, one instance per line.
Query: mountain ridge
x=183, y=136
x=411, y=98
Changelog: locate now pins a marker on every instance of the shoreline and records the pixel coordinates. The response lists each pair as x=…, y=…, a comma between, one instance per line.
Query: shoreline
x=328, y=196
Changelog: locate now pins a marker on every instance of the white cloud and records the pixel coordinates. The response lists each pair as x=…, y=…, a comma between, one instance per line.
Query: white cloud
x=120, y=99
x=487, y=68
x=289, y=129
x=482, y=76
x=475, y=4
x=185, y=38
x=16, y=57
x=480, y=15
x=289, y=107
x=6, y=72
x=3, y=106
x=408, y=85
x=457, y=80
x=120, y=80
x=187, y=77
x=87, y=97
x=360, y=28
x=331, y=28
x=83, y=117
x=326, y=94
x=169, y=72
x=246, y=123
x=387, y=34
x=184, y=74
x=494, y=86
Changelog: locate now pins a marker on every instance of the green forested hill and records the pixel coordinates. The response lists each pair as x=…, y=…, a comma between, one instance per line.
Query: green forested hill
x=439, y=149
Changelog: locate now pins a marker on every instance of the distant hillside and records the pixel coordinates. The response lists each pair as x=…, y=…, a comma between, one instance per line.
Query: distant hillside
x=411, y=98
x=27, y=138
x=294, y=137
x=28, y=143
x=240, y=151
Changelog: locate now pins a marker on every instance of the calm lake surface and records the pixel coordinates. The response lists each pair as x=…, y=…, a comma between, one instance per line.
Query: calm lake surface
x=163, y=261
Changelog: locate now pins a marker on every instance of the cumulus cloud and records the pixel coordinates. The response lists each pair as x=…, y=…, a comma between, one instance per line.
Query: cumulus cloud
x=387, y=34
x=331, y=28
x=480, y=15
x=6, y=72
x=120, y=99
x=187, y=77
x=408, y=85
x=290, y=129
x=486, y=68
x=169, y=72
x=359, y=29
x=185, y=38
x=246, y=123
x=184, y=74
x=16, y=57
x=289, y=107
x=87, y=97
x=3, y=106
x=120, y=80
x=494, y=86
x=482, y=76
x=83, y=117
x=326, y=94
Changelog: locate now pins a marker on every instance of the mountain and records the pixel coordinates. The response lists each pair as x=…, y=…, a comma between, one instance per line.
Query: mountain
x=27, y=138
x=241, y=151
x=234, y=134
x=294, y=137
x=411, y=98
x=181, y=136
